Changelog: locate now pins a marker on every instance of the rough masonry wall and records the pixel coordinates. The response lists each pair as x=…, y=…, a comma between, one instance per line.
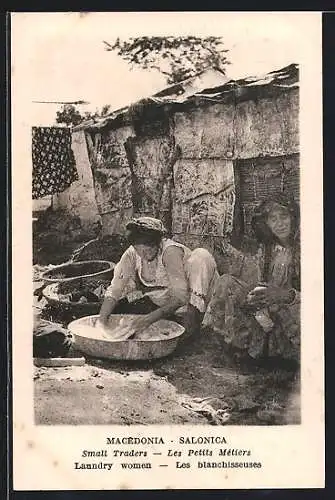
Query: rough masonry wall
x=267, y=127
x=112, y=177
x=210, y=139
x=206, y=132
x=185, y=175
x=79, y=199
x=204, y=189
x=151, y=163
x=203, y=200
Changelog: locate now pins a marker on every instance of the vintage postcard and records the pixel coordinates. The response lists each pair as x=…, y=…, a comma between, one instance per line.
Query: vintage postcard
x=167, y=250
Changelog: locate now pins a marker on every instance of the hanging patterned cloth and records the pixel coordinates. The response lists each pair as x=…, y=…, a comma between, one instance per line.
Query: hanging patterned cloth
x=54, y=167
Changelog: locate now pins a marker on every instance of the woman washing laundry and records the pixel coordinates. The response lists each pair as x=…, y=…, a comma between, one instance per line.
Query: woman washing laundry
x=256, y=308
x=156, y=277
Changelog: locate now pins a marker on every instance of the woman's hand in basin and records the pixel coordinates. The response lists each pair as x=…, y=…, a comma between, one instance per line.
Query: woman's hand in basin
x=140, y=323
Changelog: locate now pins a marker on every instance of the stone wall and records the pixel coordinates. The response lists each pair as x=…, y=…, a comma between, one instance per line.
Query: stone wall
x=79, y=199
x=185, y=174
x=112, y=177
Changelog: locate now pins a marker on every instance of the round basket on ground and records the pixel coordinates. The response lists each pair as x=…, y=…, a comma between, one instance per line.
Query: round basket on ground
x=84, y=271
x=51, y=294
x=159, y=340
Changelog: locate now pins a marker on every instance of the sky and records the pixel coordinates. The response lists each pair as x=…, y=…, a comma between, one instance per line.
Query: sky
x=61, y=56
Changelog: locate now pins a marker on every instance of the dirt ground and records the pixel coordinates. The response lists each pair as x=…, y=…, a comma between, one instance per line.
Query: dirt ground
x=165, y=391
x=112, y=392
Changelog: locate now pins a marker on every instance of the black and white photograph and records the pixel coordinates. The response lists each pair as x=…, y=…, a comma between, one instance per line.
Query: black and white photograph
x=165, y=201
x=166, y=243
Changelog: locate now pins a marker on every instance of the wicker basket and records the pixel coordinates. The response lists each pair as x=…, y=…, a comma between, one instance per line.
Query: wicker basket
x=78, y=309
x=82, y=271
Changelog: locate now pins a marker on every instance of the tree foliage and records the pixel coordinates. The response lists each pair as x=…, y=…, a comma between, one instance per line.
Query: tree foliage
x=70, y=115
x=177, y=58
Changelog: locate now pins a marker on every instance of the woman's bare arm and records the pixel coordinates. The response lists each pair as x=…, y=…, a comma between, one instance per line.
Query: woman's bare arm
x=124, y=273
x=178, y=293
x=106, y=310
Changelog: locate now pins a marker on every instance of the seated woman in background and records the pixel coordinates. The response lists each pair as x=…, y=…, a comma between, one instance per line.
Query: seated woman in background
x=165, y=274
x=256, y=308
